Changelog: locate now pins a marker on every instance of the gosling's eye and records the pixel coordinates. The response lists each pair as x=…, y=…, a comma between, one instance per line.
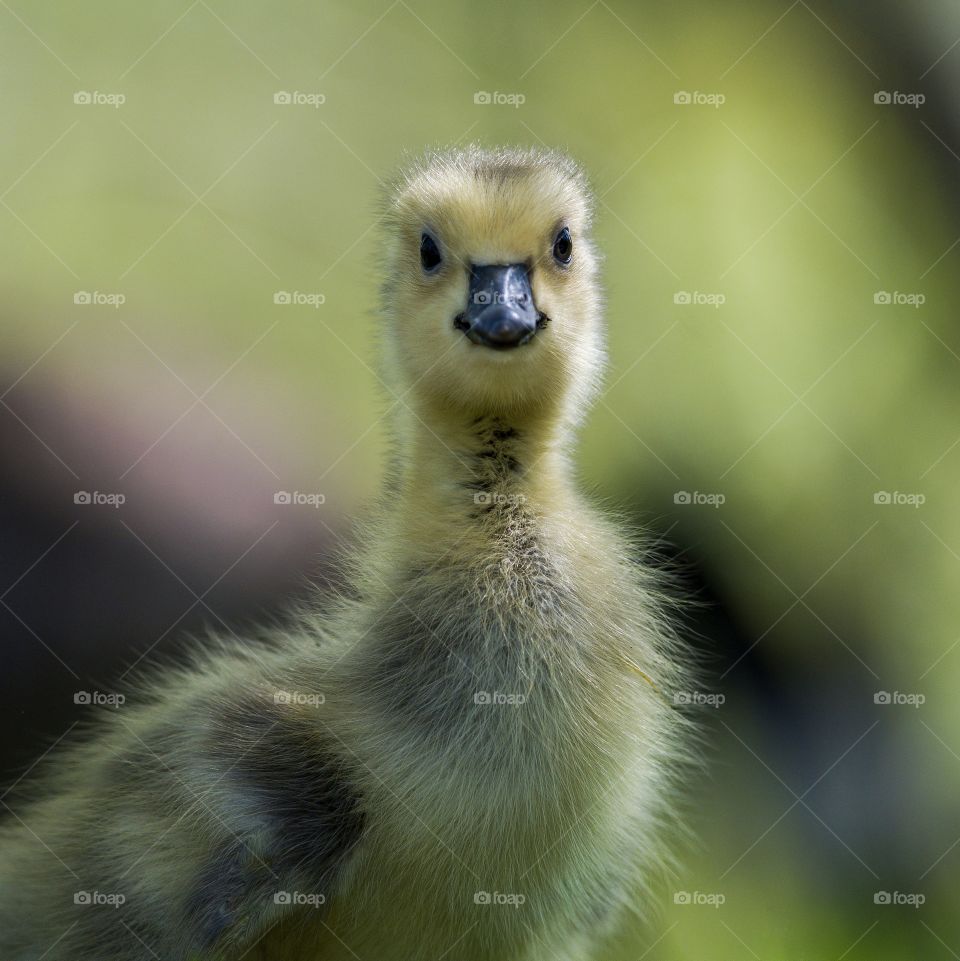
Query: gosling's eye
x=563, y=247
x=430, y=258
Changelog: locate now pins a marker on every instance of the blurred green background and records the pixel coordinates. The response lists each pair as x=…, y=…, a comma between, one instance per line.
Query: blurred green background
x=782, y=274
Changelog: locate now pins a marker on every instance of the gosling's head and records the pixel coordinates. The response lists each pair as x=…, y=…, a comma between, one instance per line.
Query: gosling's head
x=491, y=302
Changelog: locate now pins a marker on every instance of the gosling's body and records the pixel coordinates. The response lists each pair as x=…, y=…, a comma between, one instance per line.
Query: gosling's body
x=467, y=755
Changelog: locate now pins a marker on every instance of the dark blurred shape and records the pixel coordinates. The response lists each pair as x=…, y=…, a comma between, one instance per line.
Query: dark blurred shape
x=92, y=590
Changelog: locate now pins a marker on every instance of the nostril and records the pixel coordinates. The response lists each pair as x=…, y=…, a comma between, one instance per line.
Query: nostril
x=460, y=322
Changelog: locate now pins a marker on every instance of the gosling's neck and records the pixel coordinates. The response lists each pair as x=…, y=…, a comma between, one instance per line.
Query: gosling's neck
x=457, y=471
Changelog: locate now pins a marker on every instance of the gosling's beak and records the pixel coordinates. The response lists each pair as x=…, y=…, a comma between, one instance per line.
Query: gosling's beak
x=500, y=311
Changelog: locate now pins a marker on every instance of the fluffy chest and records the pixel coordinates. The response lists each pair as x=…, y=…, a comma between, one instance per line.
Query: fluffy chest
x=506, y=785
x=494, y=662
x=509, y=756
x=500, y=712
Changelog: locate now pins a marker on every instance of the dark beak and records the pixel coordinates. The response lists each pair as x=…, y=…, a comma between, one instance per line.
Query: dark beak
x=500, y=311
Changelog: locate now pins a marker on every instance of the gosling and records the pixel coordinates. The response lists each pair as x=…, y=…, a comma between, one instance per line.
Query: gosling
x=470, y=753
